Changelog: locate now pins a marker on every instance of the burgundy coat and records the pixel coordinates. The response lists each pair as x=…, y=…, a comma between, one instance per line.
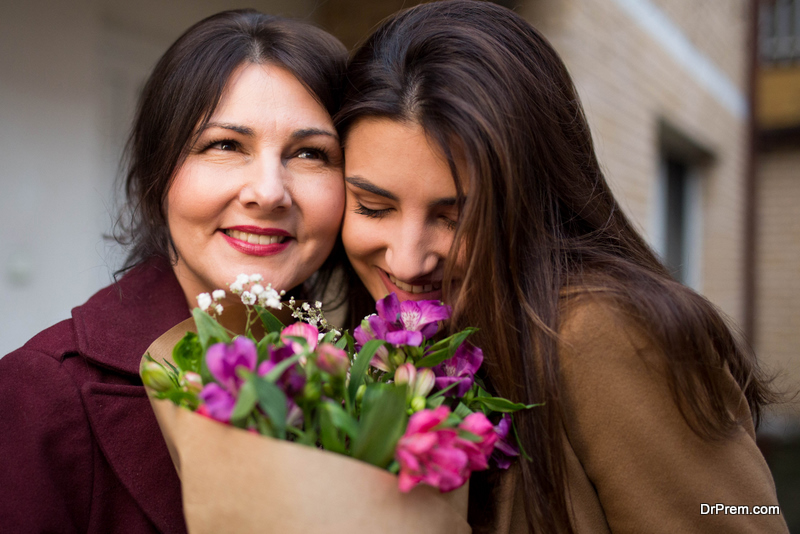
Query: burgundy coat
x=80, y=449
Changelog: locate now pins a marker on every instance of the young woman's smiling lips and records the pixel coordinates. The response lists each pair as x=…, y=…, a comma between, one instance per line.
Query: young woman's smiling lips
x=419, y=290
x=256, y=241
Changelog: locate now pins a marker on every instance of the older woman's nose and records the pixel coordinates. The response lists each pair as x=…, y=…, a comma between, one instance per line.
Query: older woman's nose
x=266, y=185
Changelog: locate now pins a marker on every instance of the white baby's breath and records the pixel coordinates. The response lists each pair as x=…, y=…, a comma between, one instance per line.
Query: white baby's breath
x=257, y=289
x=218, y=309
x=203, y=301
x=218, y=294
x=248, y=298
x=256, y=278
x=236, y=288
x=242, y=279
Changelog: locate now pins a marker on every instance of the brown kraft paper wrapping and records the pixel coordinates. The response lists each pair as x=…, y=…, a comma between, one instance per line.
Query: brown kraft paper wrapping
x=237, y=481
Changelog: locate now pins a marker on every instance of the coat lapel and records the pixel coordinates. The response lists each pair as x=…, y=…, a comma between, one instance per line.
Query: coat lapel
x=128, y=435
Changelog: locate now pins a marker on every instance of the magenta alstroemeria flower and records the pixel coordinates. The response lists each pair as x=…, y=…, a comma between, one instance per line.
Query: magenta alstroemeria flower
x=373, y=327
x=478, y=453
x=218, y=401
x=505, y=450
x=410, y=321
x=223, y=359
x=293, y=379
x=430, y=454
x=304, y=330
x=461, y=369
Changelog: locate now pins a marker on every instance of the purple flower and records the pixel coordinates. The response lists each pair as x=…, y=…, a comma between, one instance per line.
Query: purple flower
x=415, y=319
x=461, y=369
x=223, y=360
x=293, y=379
x=219, y=402
x=402, y=323
x=504, y=450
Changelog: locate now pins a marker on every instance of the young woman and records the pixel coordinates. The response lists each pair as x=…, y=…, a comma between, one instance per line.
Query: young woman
x=471, y=175
x=235, y=167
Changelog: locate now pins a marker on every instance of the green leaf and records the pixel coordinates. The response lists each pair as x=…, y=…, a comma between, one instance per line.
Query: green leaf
x=209, y=330
x=270, y=322
x=498, y=404
x=519, y=441
x=342, y=343
x=329, y=434
x=328, y=337
x=359, y=368
x=462, y=411
x=280, y=367
x=188, y=353
x=244, y=404
x=273, y=401
x=341, y=419
x=432, y=403
x=382, y=424
x=441, y=354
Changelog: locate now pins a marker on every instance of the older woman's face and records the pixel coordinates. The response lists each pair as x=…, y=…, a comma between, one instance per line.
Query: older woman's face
x=261, y=190
x=401, y=209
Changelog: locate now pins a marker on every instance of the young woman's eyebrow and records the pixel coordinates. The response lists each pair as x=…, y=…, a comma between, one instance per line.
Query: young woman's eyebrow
x=361, y=183
x=443, y=202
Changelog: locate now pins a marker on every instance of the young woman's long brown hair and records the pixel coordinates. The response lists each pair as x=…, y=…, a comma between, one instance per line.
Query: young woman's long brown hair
x=538, y=221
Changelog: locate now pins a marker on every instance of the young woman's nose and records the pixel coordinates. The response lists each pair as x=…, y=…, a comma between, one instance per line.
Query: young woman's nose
x=265, y=185
x=411, y=253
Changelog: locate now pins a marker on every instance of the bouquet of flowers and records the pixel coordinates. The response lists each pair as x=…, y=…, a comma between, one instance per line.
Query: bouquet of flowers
x=393, y=395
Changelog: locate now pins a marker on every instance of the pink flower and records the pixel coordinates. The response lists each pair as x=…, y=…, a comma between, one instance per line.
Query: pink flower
x=304, y=330
x=478, y=452
x=332, y=360
x=430, y=454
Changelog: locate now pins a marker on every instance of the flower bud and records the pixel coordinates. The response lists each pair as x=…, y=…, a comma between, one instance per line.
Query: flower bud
x=424, y=382
x=397, y=358
x=191, y=382
x=156, y=377
x=360, y=392
x=418, y=404
x=405, y=374
x=332, y=360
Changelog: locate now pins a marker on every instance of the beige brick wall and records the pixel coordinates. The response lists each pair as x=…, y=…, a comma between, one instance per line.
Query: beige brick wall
x=778, y=264
x=628, y=82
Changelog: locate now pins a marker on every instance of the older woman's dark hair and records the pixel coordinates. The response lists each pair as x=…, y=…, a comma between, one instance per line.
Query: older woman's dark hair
x=185, y=88
x=539, y=221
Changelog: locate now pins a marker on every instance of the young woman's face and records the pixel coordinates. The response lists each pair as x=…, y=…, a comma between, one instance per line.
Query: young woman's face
x=401, y=209
x=261, y=190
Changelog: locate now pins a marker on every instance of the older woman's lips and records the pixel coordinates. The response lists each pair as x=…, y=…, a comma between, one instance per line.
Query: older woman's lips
x=255, y=241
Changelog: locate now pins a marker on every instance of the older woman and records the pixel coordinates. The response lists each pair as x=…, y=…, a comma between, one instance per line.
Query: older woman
x=235, y=167
x=471, y=176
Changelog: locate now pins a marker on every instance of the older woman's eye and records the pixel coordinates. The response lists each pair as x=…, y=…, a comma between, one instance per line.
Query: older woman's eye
x=313, y=153
x=228, y=145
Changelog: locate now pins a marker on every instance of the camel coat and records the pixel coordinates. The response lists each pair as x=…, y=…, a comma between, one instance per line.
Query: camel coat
x=633, y=463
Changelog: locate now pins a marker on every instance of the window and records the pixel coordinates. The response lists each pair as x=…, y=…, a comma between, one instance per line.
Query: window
x=678, y=212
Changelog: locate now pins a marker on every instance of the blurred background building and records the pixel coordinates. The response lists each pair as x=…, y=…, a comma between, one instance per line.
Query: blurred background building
x=694, y=106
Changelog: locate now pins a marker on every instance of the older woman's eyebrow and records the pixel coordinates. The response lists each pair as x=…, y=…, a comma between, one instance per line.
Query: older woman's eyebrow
x=311, y=132
x=244, y=130
x=361, y=183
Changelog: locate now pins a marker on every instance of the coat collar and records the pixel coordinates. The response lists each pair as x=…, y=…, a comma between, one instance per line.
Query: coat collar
x=115, y=327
